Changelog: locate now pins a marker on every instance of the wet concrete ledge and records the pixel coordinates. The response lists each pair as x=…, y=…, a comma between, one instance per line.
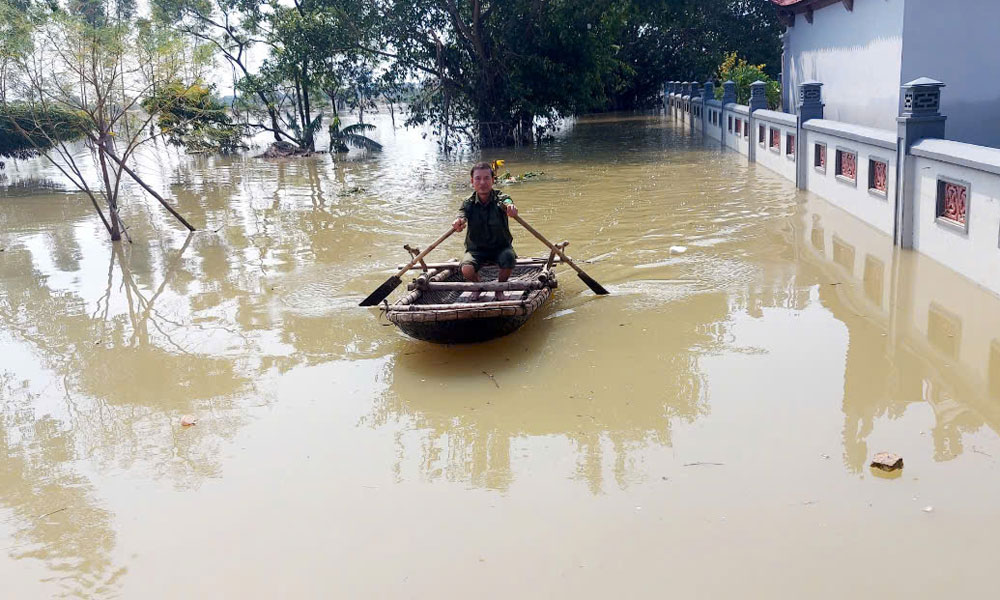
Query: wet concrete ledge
x=858, y=133
x=773, y=116
x=981, y=158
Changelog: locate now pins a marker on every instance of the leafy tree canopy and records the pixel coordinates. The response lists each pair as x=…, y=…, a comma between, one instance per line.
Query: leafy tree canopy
x=191, y=117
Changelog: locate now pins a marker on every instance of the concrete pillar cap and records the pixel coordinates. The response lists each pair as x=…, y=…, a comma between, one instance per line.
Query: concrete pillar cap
x=924, y=81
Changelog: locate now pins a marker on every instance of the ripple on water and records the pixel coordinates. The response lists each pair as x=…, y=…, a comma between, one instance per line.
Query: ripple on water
x=656, y=292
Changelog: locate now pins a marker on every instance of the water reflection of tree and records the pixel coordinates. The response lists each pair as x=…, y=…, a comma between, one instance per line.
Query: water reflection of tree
x=469, y=431
x=127, y=369
x=57, y=518
x=124, y=361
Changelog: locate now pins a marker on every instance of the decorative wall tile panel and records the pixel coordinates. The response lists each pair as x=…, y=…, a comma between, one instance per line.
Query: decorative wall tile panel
x=878, y=178
x=847, y=165
x=953, y=199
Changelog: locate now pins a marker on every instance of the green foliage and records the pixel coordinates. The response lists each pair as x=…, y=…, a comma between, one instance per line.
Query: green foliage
x=27, y=131
x=499, y=66
x=343, y=138
x=687, y=40
x=191, y=117
x=494, y=72
x=738, y=70
x=314, y=50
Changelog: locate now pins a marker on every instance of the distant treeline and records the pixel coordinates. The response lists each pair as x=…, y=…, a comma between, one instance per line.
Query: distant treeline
x=482, y=71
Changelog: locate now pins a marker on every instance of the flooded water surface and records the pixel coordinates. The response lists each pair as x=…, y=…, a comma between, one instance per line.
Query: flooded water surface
x=704, y=431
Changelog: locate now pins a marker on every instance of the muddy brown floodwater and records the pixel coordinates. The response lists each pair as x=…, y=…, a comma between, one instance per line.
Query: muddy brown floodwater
x=705, y=431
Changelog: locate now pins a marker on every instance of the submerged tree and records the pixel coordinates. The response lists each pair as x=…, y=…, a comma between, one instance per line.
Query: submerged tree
x=82, y=65
x=492, y=68
x=312, y=48
x=27, y=131
x=688, y=40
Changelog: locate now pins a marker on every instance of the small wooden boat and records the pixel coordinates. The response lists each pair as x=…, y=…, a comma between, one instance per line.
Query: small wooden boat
x=440, y=306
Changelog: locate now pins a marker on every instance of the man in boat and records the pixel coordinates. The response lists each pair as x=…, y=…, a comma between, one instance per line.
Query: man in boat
x=488, y=238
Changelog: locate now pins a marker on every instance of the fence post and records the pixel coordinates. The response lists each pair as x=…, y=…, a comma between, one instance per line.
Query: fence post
x=920, y=118
x=695, y=96
x=728, y=97
x=707, y=93
x=810, y=107
x=758, y=100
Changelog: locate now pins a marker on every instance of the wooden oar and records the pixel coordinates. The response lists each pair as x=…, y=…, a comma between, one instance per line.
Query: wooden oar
x=393, y=282
x=598, y=288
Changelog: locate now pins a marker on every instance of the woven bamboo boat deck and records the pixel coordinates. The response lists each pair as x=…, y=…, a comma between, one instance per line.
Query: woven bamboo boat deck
x=439, y=307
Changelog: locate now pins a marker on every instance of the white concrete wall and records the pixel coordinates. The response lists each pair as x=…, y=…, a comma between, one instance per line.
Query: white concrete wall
x=856, y=55
x=855, y=198
x=776, y=160
x=975, y=253
x=738, y=142
x=955, y=42
x=712, y=130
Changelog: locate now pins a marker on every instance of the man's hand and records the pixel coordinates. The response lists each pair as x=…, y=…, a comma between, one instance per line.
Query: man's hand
x=511, y=209
x=459, y=224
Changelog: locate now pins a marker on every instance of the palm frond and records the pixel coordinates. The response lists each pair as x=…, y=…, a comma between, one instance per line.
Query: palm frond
x=360, y=141
x=315, y=123
x=358, y=128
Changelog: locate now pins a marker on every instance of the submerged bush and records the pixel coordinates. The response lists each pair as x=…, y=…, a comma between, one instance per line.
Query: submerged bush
x=27, y=130
x=189, y=116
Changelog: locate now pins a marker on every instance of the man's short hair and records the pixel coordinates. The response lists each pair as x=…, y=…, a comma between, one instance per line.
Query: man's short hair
x=482, y=165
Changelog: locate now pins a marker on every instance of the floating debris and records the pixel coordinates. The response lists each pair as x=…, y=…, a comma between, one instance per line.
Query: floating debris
x=928, y=509
x=887, y=461
x=188, y=420
x=284, y=150
x=492, y=378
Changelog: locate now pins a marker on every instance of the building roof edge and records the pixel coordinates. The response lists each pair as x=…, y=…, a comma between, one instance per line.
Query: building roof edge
x=798, y=6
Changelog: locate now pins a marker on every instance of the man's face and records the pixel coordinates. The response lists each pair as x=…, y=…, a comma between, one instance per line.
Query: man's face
x=482, y=181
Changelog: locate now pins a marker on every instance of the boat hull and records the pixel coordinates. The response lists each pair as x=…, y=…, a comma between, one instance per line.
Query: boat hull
x=453, y=318
x=466, y=331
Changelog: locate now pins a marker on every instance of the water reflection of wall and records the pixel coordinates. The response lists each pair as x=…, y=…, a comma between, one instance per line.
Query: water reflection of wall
x=919, y=332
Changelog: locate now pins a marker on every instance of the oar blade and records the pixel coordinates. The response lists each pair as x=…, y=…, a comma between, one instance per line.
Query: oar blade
x=598, y=288
x=382, y=292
